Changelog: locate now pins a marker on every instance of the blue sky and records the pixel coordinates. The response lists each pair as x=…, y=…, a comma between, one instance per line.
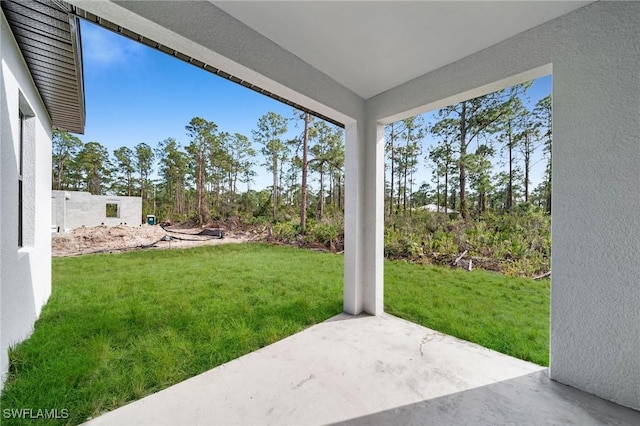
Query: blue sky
x=136, y=94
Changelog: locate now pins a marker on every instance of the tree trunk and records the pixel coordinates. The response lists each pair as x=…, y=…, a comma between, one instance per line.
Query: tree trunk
x=549, y=194
x=510, y=187
x=453, y=198
x=331, y=181
x=392, y=172
x=274, y=191
x=527, y=155
x=280, y=179
x=405, y=172
x=303, y=184
x=411, y=179
x=446, y=189
x=399, y=190
x=340, y=197
x=437, y=191
x=321, y=215
x=464, y=210
x=60, y=171
x=199, y=191
x=404, y=189
x=142, y=184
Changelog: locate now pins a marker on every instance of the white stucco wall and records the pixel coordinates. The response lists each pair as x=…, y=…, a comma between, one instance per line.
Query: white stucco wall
x=73, y=209
x=25, y=273
x=593, y=52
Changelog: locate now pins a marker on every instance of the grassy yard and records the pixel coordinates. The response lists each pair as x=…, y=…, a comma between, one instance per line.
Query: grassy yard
x=119, y=327
x=507, y=314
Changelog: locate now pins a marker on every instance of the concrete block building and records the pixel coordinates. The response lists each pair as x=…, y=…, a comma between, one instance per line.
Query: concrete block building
x=73, y=209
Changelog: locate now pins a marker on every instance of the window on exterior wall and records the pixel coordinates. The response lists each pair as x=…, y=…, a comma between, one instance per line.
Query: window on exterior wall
x=25, y=146
x=20, y=178
x=112, y=210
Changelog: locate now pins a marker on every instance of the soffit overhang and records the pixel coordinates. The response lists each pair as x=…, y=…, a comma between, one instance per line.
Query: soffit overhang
x=50, y=41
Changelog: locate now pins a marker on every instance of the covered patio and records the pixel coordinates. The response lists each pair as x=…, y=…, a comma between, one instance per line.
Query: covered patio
x=367, y=64
x=371, y=370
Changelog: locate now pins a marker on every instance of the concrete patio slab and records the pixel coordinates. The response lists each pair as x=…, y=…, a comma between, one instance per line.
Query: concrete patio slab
x=370, y=370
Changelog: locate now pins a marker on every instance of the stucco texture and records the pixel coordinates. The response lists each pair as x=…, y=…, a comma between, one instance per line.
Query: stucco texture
x=25, y=272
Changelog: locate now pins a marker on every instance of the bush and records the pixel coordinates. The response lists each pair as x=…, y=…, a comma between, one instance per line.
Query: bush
x=325, y=233
x=398, y=246
x=285, y=231
x=516, y=244
x=444, y=243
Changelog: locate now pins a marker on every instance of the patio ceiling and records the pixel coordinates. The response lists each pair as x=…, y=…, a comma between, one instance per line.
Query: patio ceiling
x=49, y=39
x=370, y=47
x=305, y=53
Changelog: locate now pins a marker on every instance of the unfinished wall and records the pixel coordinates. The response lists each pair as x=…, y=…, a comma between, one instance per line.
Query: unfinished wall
x=25, y=272
x=595, y=322
x=73, y=209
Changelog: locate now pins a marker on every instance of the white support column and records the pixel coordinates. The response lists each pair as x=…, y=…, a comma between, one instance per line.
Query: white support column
x=354, y=175
x=373, y=219
x=364, y=218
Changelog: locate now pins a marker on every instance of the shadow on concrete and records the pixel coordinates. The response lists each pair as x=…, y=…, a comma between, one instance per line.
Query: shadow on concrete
x=532, y=399
x=345, y=317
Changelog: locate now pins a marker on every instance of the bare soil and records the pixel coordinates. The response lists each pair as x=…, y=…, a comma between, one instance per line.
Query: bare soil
x=112, y=239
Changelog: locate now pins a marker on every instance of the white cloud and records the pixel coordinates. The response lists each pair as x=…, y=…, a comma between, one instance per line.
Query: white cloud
x=103, y=48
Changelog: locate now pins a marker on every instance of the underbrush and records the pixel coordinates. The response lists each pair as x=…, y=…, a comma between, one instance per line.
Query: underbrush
x=517, y=244
x=325, y=234
x=514, y=244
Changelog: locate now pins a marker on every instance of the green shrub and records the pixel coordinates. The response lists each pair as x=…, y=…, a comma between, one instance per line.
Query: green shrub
x=519, y=243
x=444, y=243
x=325, y=233
x=285, y=231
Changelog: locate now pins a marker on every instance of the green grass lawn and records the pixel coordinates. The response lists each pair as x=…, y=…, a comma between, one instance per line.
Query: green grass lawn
x=507, y=314
x=119, y=327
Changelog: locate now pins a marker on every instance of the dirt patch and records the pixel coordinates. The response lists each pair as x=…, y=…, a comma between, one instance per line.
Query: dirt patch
x=105, y=239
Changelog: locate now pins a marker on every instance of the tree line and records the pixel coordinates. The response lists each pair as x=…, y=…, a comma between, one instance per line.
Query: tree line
x=481, y=159
x=200, y=181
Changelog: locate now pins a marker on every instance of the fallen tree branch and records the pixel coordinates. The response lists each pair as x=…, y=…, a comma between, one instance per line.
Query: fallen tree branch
x=455, y=262
x=545, y=275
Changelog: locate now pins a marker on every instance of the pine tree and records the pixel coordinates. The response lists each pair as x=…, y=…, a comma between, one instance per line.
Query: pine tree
x=65, y=149
x=269, y=129
x=203, y=138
